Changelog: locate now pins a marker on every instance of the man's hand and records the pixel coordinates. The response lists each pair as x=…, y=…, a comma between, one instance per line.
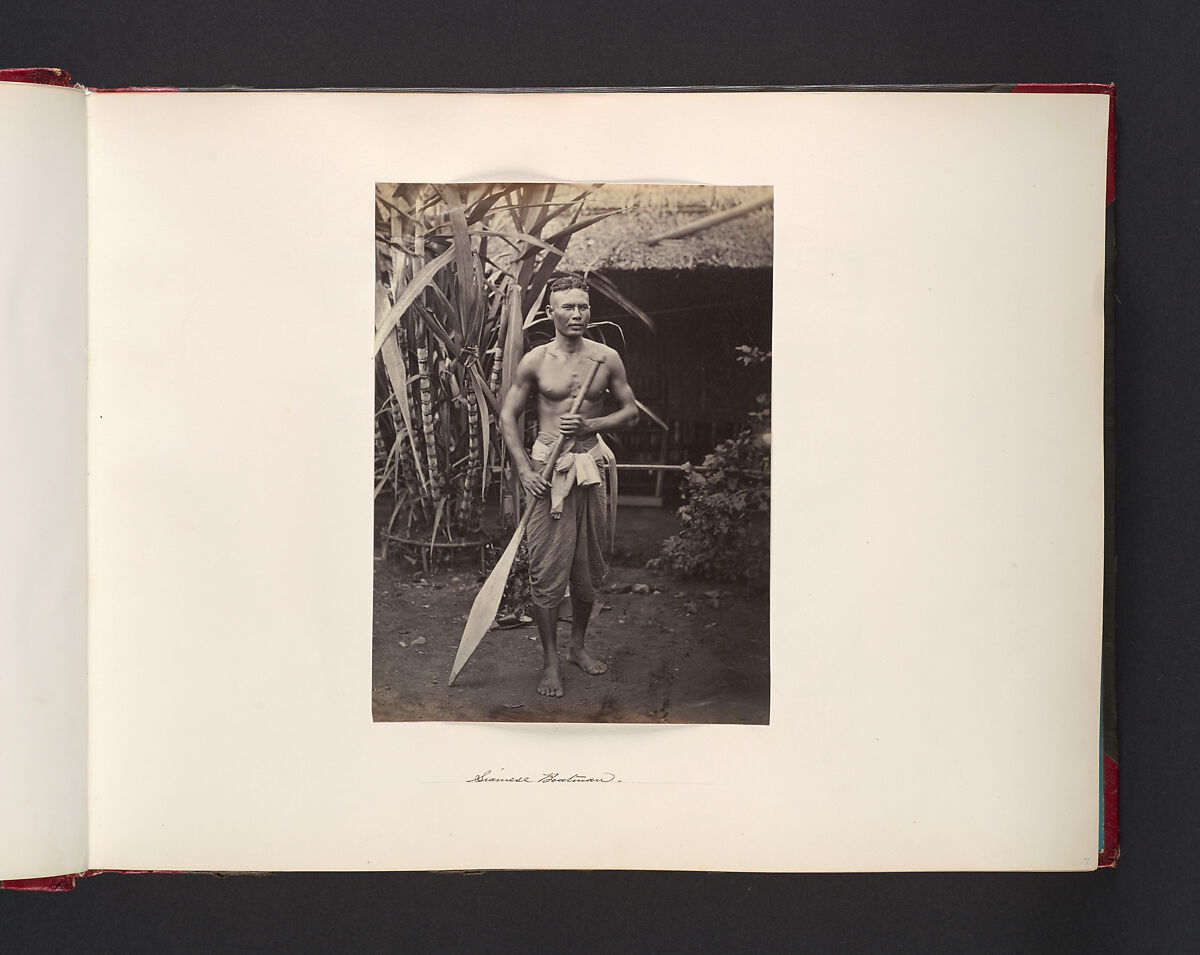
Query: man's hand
x=573, y=425
x=533, y=483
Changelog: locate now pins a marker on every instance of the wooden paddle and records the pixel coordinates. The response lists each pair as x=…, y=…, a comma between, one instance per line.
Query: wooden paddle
x=483, y=611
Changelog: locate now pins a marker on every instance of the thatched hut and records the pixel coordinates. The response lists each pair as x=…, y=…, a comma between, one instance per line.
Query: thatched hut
x=708, y=292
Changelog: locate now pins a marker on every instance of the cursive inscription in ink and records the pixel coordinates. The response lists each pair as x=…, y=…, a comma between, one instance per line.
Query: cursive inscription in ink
x=501, y=776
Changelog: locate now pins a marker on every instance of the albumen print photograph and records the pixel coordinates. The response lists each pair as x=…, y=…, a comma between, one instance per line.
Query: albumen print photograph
x=572, y=469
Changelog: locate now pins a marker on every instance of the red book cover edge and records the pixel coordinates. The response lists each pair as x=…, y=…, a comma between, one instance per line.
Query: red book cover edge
x=1109, y=846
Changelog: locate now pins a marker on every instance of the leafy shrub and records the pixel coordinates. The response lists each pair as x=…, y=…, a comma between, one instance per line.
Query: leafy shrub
x=726, y=533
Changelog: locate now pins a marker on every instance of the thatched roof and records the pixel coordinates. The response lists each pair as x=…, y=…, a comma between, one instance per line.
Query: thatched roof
x=645, y=211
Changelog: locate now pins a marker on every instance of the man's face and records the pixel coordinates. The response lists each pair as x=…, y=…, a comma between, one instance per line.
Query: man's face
x=570, y=311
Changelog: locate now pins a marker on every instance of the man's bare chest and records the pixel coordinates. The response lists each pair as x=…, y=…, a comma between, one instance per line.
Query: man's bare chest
x=559, y=378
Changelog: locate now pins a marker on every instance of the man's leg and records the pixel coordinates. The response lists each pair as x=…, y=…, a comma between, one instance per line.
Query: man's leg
x=581, y=613
x=588, y=568
x=547, y=624
x=550, y=546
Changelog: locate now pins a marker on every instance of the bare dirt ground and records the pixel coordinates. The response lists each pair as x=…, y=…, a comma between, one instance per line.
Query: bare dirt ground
x=687, y=652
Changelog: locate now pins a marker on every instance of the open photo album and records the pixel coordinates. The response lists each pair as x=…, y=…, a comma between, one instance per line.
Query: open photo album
x=431, y=480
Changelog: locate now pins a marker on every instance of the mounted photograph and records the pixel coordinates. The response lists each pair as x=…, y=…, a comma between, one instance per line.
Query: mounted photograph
x=572, y=468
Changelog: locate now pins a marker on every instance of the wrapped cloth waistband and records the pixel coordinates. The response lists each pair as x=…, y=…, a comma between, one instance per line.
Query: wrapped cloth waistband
x=576, y=465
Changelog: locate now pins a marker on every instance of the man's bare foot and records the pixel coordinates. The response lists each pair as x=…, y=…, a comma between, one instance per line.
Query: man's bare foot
x=551, y=684
x=586, y=662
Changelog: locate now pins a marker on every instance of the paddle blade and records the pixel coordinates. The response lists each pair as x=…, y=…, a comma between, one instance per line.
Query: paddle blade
x=483, y=611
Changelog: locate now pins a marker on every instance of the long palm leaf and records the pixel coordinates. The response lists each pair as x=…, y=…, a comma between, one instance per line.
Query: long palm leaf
x=514, y=344
x=463, y=259
x=412, y=289
x=393, y=361
x=479, y=209
x=452, y=348
x=652, y=416
x=578, y=226
x=606, y=288
x=558, y=241
x=517, y=240
x=387, y=466
x=545, y=213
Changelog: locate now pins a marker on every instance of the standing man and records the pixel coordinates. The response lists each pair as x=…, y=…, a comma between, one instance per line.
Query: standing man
x=568, y=525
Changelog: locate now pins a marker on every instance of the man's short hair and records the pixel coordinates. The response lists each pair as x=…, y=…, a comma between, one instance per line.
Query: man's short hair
x=564, y=282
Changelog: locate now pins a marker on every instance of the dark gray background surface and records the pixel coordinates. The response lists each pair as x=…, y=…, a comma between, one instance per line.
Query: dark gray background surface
x=1149, y=50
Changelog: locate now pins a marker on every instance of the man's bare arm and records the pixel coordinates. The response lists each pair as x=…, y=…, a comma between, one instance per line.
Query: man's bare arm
x=514, y=404
x=625, y=416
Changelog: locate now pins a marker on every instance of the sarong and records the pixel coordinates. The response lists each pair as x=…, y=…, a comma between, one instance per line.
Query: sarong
x=569, y=548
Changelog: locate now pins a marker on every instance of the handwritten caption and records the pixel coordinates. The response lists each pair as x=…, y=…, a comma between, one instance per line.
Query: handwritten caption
x=488, y=776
